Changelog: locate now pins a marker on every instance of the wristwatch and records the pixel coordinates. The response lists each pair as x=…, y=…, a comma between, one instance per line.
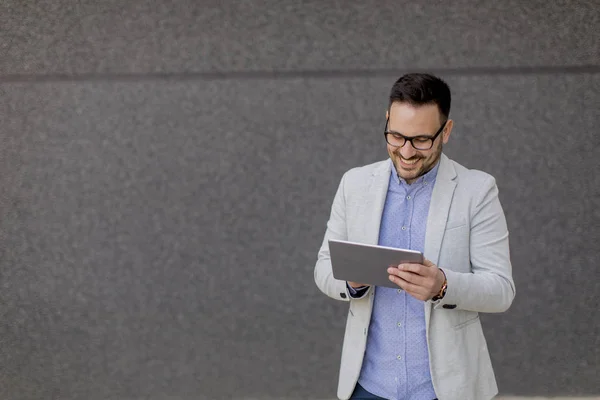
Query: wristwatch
x=442, y=291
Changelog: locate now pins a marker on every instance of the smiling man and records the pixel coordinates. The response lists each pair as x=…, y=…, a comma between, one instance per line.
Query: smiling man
x=423, y=340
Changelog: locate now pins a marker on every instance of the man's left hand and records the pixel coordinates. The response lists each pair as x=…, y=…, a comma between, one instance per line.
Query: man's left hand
x=422, y=281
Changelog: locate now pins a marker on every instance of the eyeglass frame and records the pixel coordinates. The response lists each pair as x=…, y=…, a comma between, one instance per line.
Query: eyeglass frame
x=410, y=139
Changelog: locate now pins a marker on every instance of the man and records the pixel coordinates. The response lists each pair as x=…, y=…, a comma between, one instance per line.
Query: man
x=423, y=340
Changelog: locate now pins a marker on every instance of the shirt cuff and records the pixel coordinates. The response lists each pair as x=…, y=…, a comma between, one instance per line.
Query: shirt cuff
x=358, y=292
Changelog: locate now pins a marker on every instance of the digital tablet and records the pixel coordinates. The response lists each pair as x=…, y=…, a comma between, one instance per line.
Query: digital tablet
x=368, y=264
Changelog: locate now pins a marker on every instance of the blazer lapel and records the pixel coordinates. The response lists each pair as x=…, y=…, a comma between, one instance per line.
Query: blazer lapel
x=439, y=208
x=441, y=199
x=375, y=201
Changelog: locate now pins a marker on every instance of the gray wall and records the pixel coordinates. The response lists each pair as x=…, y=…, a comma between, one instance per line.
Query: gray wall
x=167, y=168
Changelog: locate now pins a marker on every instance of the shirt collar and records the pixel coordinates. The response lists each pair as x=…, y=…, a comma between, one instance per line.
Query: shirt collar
x=427, y=179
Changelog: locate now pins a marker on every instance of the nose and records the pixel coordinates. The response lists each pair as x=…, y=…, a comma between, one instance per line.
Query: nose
x=407, y=151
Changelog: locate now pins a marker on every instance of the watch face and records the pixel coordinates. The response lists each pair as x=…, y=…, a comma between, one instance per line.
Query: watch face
x=441, y=294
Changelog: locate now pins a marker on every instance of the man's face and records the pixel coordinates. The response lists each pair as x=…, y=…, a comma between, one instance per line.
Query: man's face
x=411, y=122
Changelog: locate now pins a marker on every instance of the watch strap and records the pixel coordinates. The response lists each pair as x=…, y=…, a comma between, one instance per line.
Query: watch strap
x=443, y=289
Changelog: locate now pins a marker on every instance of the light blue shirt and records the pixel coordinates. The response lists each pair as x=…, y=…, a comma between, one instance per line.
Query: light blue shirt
x=396, y=362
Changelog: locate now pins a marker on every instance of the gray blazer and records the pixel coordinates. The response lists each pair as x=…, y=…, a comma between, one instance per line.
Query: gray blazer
x=466, y=236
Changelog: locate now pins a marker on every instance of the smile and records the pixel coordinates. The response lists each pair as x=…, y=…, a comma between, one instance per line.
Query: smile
x=409, y=162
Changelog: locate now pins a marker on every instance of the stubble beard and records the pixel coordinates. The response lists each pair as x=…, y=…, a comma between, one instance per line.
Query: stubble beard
x=412, y=175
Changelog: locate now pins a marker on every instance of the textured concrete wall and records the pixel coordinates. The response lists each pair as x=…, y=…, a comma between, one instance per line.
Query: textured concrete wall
x=167, y=168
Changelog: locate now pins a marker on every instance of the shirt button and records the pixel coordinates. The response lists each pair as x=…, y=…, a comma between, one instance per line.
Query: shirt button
x=399, y=323
x=403, y=228
x=408, y=197
x=399, y=290
x=399, y=357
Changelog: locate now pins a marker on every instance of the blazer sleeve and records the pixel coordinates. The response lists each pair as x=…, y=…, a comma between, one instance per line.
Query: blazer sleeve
x=489, y=287
x=336, y=229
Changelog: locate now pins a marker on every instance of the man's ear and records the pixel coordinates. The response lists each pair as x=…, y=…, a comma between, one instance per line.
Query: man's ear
x=447, y=131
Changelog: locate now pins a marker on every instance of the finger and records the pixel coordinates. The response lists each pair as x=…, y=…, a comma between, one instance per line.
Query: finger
x=410, y=277
x=409, y=287
x=424, y=284
x=418, y=269
x=428, y=282
x=402, y=273
x=428, y=263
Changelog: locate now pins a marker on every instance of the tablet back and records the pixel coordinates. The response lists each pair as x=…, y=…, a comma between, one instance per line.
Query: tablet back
x=364, y=263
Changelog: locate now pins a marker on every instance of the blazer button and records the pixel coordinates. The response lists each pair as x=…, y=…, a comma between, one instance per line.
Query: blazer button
x=449, y=306
x=343, y=295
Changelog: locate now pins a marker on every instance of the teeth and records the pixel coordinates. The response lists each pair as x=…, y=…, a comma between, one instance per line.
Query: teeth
x=410, y=162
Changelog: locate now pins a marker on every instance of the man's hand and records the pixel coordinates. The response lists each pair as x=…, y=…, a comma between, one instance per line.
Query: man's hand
x=356, y=285
x=422, y=281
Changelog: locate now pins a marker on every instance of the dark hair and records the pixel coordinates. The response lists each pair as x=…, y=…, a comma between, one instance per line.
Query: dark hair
x=418, y=89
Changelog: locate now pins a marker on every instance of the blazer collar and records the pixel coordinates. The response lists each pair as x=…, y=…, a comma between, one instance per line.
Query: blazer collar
x=375, y=201
x=439, y=209
x=441, y=199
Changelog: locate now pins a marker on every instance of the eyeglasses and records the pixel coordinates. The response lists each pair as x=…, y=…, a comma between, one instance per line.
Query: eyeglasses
x=418, y=142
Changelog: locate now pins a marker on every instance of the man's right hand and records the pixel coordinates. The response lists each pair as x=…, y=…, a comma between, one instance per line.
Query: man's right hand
x=356, y=285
